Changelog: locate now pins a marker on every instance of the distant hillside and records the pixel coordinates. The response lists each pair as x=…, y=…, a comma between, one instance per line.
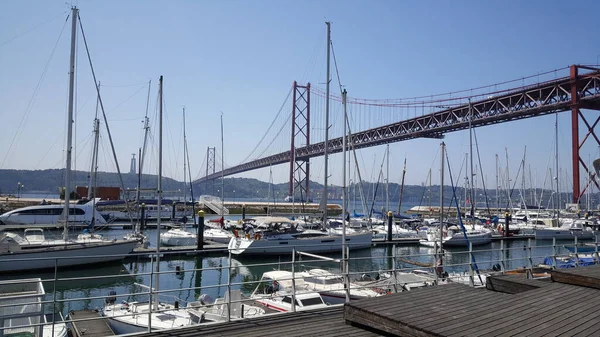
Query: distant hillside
x=49, y=181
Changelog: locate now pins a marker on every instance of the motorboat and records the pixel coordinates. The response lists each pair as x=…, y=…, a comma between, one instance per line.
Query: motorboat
x=178, y=236
x=281, y=236
x=205, y=309
x=453, y=236
x=332, y=288
x=22, y=312
x=578, y=228
x=131, y=317
x=276, y=290
x=217, y=235
x=50, y=216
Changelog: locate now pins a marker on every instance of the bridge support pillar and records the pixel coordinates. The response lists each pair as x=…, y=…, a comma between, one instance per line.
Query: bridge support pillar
x=300, y=167
x=576, y=106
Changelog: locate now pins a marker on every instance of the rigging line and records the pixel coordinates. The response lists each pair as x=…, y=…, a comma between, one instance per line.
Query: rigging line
x=33, y=28
x=89, y=57
x=270, y=126
x=337, y=72
x=462, y=226
x=275, y=138
x=34, y=95
x=128, y=98
x=487, y=205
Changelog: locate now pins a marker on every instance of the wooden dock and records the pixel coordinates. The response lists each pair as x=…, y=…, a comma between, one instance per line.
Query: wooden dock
x=88, y=323
x=512, y=305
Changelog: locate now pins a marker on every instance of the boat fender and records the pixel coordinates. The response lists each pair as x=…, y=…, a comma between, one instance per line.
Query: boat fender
x=235, y=233
x=257, y=236
x=112, y=297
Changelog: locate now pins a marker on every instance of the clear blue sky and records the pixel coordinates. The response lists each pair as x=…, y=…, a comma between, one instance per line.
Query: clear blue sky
x=240, y=58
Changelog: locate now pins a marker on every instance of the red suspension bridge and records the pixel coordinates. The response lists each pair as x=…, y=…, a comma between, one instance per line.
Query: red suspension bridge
x=579, y=90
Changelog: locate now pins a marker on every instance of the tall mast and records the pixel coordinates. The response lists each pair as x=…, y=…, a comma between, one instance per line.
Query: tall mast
x=497, y=186
x=387, y=179
x=472, y=180
x=344, y=199
x=70, y=121
x=325, y=151
x=159, y=188
x=441, y=229
x=556, y=159
x=184, y=166
x=222, y=168
x=94, y=163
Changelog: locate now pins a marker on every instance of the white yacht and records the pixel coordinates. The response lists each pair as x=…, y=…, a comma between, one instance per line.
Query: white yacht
x=275, y=291
x=580, y=228
x=281, y=236
x=331, y=286
x=177, y=236
x=49, y=216
x=453, y=236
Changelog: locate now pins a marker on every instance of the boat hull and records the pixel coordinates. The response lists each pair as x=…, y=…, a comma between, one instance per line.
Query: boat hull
x=562, y=234
x=65, y=256
x=309, y=245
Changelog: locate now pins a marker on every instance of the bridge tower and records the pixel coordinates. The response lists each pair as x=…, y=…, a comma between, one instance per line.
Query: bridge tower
x=300, y=167
x=576, y=105
x=210, y=165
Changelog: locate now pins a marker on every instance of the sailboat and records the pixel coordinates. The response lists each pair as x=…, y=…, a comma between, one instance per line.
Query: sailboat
x=13, y=258
x=282, y=235
x=450, y=235
x=179, y=236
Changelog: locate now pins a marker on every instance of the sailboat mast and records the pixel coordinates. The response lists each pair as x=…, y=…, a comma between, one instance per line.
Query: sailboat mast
x=387, y=179
x=472, y=180
x=556, y=159
x=344, y=199
x=184, y=166
x=222, y=168
x=159, y=186
x=497, y=186
x=94, y=163
x=441, y=229
x=70, y=120
x=325, y=151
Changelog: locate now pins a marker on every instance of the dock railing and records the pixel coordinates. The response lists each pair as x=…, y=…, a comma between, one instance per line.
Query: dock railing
x=395, y=268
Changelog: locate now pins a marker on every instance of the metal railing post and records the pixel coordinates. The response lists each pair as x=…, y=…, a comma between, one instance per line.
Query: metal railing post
x=554, y=253
x=53, y=298
x=596, y=259
x=293, y=280
x=150, y=297
x=347, y=273
x=502, y=257
x=229, y=286
x=529, y=260
x=576, y=253
x=394, y=271
x=471, y=266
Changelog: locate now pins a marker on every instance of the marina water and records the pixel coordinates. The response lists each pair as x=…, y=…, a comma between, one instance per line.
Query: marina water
x=184, y=277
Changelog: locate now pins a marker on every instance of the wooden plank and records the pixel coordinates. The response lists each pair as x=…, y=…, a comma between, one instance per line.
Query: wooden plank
x=553, y=317
x=358, y=317
x=500, y=314
x=511, y=284
x=473, y=305
x=530, y=314
x=565, y=321
x=487, y=309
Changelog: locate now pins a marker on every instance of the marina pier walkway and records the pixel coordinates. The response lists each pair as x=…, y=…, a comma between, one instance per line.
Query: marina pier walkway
x=512, y=305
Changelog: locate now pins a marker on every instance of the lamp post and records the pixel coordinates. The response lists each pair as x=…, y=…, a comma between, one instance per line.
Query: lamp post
x=18, y=190
x=234, y=195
